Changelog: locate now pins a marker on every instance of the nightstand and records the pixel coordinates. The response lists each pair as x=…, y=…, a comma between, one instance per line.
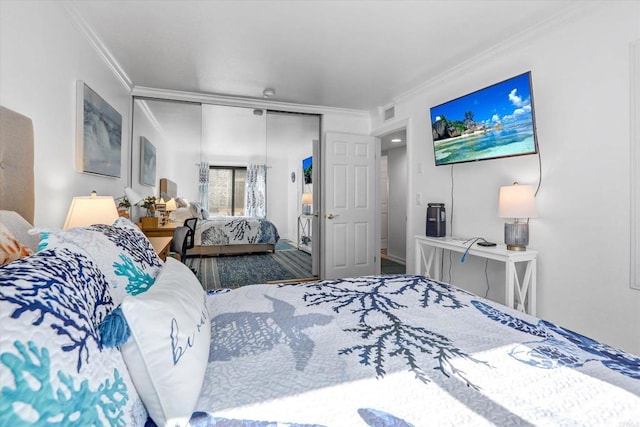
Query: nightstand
x=161, y=245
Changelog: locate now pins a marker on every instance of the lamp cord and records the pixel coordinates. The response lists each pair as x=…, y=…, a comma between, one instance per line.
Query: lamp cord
x=451, y=220
x=450, y=223
x=539, y=176
x=539, y=173
x=486, y=276
x=486, y=261
x=472, y=240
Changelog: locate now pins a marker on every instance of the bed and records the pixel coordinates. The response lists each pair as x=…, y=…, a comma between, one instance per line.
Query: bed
x=95, y=330
x=223, y=235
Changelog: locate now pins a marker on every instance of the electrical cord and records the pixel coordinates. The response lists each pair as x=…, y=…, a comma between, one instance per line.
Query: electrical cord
x=539, y=176
x=486, y=276
x=451, y=222
x=470, y=243
x=539, y=173
x=472, y=240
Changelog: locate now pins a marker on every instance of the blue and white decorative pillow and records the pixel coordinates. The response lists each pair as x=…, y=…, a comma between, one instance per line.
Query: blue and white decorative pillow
x=121, y=251
x=168, y=347
x=53, y=367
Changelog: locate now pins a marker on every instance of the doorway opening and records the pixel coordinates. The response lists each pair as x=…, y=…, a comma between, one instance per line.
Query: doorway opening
x=393, y=202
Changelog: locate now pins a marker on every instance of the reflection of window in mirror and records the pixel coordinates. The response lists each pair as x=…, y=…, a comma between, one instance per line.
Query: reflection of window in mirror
x=227, y=190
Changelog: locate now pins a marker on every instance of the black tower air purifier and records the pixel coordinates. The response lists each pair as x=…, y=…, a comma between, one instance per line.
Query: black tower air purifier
x=436, y=220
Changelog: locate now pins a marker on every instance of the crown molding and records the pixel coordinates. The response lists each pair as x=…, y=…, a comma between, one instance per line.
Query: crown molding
x=576, y=8
x=151, y=117
x=237, y=101
x=204, y=98
x=98, y=46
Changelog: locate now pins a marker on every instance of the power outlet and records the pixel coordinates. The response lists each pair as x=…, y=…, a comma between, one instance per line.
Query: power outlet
x=418, y=199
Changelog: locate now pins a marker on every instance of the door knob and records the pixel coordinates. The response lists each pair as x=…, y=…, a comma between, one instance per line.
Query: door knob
x=331, y=216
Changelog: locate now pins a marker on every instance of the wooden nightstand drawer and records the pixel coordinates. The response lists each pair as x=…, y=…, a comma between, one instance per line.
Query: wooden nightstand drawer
x=161, y=231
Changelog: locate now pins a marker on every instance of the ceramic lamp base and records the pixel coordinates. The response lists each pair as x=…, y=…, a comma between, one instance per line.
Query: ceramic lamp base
x=516, y=236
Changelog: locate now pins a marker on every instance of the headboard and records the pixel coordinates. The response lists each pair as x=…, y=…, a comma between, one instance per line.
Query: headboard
x=168, y=187
x=16, y=164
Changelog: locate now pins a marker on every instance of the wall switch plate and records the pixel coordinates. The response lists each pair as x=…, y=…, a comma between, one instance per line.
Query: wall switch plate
x=419, y=167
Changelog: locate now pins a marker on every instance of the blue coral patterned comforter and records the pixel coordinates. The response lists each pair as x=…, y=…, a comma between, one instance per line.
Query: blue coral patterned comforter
x=403, y=351
x=235, y=230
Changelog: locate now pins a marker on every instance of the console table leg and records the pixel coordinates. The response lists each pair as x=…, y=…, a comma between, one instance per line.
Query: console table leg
x=429, y=263
x=510, y=271
x=533, y=284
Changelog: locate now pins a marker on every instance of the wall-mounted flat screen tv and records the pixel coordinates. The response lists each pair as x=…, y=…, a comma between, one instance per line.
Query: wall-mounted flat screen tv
x=497, y=121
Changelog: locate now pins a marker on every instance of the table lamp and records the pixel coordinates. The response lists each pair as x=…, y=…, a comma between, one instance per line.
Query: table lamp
x=171, y=205
x=307, y=201
x=89, y=210
x=518, y=203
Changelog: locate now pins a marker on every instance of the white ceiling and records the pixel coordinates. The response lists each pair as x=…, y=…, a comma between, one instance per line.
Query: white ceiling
x=349, y=54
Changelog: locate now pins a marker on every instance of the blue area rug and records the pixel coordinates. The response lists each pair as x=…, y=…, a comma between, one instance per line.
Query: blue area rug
x=240, y=270
x=284, y=245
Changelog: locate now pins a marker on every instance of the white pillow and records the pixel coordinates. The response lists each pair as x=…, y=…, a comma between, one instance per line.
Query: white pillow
x=180, y=215
x=181, y=202
x=168, y=350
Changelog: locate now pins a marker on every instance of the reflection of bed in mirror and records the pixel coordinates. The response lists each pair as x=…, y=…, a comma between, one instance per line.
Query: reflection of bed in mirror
x=223, y=235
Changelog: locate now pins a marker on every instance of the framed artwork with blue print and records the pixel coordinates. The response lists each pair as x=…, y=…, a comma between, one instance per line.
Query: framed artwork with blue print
x=98, y=134
x=147, y=162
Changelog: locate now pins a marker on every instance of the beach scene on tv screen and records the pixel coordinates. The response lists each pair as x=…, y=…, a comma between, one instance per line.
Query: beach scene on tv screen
x=496, y=121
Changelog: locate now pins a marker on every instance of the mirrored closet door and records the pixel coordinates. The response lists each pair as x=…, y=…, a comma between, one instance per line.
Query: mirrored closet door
x=237, y=145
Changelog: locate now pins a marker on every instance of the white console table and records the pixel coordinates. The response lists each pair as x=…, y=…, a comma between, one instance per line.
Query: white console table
x=517, y=292
x=305, y=222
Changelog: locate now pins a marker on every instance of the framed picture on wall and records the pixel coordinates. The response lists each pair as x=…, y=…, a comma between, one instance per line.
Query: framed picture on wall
x=307, y=169
x=98, y=134
x=147, y=162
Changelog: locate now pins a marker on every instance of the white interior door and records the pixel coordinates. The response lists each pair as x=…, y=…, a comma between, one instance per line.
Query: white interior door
x=350, y=206
x=315, y=224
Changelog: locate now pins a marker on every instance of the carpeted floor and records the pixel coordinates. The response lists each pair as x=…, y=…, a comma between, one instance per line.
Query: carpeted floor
x=286, y=264
x=391, y=267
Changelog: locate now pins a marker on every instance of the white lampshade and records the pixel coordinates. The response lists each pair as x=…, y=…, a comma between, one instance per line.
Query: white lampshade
x=517, y=201
x=134, y=198
x=307, y=198
x=91, y=210
x=171, y=205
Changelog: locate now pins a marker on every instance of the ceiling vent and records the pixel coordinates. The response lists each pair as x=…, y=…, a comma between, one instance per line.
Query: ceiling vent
x=389, y=113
